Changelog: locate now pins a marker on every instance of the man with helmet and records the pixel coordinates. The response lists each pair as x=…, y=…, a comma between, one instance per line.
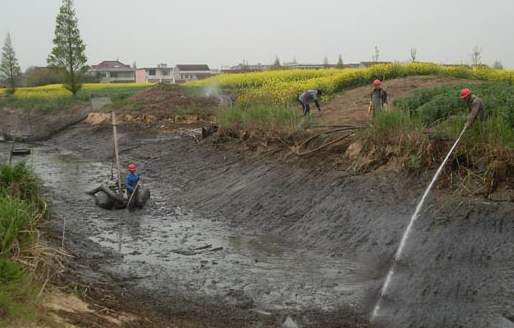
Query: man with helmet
x=475, y=106
x=132, y=179
x=378, y=99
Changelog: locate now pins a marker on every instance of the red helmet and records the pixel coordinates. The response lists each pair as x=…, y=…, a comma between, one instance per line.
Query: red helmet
x=465, y=93
x=377, y=83
x=132, y=167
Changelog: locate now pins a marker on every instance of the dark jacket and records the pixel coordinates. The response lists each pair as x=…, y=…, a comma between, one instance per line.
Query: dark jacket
x=476, y=109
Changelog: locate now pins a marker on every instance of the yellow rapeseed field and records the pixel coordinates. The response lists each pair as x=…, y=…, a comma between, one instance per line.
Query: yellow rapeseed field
x=58, y=90
x=280, y=87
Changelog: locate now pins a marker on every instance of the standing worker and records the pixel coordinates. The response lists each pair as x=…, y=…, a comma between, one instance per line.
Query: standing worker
x=378, y=98
x=131, y=180
x=308, y=97
x=475, y=106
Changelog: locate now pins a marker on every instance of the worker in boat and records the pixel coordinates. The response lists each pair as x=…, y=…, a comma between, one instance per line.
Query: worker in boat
x=308, y=97
x=378, y=101
x=132, y=179
x=475, y=106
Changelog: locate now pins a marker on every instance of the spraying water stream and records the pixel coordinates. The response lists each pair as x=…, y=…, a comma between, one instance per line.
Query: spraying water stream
x=407, y=231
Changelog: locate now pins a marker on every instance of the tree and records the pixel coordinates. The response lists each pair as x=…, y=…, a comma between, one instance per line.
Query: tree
x=498, y=65
x=10, y=70
x=37, y=76
x=340, y=63
x=476, y=56
x=413, y=54
x=276, y=64
x=69, y=49
x=325, y=61
x=376, y=54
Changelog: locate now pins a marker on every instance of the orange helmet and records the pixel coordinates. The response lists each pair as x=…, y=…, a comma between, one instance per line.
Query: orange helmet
x=466, y=92
x=132, y=167
x=377, y=83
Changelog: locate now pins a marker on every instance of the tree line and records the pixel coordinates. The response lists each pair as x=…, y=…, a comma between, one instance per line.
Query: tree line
x=66, y=62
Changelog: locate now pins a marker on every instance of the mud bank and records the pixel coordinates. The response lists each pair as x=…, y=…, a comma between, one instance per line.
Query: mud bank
x=29, y=125
x=239, y=242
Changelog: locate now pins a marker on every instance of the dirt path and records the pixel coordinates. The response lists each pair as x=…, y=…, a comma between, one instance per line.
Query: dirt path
x=351, y=107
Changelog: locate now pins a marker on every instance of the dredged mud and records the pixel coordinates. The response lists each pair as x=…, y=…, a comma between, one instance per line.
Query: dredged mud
x=236, y=242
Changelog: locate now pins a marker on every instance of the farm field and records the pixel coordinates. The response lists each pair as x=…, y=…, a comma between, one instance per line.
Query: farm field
x=281, y=87
x=54, y=96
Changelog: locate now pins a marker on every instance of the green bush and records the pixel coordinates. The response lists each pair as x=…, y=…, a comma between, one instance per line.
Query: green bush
x=18, y=181
x=433, y=105
x=17, y=218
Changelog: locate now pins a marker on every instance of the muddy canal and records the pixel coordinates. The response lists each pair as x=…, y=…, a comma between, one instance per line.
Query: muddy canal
x=231, y=241
x=174, y=253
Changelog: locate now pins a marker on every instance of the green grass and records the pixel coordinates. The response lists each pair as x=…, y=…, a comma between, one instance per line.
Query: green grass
x=18, y=293
x=278, y=120
x=21, y=208
x=434, y=105
x=421, y=122
x=54, y=97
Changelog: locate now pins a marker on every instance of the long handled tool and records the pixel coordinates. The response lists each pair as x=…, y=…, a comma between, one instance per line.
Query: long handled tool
x=116, y=155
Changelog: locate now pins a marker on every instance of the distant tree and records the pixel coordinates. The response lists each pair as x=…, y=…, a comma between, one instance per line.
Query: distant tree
x=376, y=54
x=10, y=70
x=413, y=54
x=498, y=65
x=325, y=61
x=276, y=63
x=69, y=49
x=340, y=63
x=37, y=76
x=476, y=57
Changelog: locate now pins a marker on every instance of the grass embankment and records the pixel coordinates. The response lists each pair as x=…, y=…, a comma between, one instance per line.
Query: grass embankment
x=22, y=260
x=54, y=96
x=421, y=126
x=271, y=96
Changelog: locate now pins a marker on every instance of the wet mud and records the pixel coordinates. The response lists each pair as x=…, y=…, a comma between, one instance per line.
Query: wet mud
x=233, y=241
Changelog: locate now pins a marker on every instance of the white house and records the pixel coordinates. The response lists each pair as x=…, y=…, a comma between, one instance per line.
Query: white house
x=113, y=71
x=184, y=73
x=160, y=74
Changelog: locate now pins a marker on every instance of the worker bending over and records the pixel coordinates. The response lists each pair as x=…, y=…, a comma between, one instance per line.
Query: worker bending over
x=378, y=99
x=308, y=97
x=475, y=106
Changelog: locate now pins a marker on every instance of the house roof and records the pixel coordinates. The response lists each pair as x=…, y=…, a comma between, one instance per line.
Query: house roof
x=111, y=64
x=193, y=67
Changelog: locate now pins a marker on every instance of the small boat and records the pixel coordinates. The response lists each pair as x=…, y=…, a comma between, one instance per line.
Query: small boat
x=21, y=151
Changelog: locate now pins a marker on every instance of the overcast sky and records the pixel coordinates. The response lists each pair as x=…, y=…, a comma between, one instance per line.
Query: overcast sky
x=223, y=32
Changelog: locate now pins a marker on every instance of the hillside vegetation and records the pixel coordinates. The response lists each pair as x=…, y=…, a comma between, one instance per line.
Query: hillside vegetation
x=270, y=96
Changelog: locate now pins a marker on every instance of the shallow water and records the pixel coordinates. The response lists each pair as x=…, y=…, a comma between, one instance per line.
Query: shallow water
x=166, y=249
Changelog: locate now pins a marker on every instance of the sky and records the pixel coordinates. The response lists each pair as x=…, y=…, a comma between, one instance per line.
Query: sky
x=224, y=32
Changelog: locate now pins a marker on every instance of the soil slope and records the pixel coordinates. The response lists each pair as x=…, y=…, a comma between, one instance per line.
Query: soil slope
x=351, y=107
